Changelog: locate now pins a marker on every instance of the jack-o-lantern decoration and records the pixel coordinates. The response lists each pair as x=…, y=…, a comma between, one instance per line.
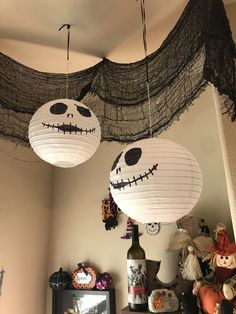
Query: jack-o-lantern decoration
x=84, y=277
x=64, y=132
x=60, y=280
x=155, y=180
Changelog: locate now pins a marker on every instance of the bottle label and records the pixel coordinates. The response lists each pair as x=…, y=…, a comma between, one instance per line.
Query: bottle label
x=137, y=278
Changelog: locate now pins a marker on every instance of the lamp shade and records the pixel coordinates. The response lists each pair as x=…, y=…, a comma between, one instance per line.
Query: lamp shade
x=64, y=132
x=155, y=180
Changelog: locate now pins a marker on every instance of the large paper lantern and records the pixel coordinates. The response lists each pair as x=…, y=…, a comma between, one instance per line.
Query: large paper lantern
x=64, y=132
x=155, y=180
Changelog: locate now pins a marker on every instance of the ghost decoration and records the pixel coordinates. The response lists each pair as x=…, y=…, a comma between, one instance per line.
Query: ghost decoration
x=64, y=132
x=155, y=180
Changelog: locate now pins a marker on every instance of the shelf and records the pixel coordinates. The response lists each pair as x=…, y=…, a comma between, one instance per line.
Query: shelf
x=126, y=310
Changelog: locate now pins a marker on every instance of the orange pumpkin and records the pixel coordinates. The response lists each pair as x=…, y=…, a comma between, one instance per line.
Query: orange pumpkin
x=209, y=297
x=83, y=277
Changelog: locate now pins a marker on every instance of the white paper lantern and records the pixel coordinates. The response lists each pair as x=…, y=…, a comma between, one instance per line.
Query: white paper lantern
x=64, y=132
x=155, y=180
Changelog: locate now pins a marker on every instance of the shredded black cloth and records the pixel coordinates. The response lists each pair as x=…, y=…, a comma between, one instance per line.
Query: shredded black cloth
x=198, y=51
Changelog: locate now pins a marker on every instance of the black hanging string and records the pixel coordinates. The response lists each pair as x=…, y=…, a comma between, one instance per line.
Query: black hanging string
x=68, y=55
x=87, y=87
x=68, y=39
x=143, y=14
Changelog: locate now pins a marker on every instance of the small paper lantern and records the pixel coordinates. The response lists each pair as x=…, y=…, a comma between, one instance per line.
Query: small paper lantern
x=64, y=132
x=155, y=180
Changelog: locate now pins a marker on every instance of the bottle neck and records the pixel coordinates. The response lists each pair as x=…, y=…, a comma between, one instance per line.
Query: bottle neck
x=135, y=234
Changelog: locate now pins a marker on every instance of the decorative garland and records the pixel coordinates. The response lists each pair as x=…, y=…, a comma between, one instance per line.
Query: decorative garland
x=198, y=51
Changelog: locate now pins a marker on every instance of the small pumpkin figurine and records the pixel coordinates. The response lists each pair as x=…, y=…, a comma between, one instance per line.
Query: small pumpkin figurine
x=84, y=277
x=103, y=281
x=60, y=280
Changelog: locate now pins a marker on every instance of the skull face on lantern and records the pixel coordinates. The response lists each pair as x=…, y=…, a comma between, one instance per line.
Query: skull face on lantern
x=64, y=132
x=155, y=180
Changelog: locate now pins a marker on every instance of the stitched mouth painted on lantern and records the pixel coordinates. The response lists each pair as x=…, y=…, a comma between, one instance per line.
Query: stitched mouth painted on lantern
x=68, y=128
x=123, y=184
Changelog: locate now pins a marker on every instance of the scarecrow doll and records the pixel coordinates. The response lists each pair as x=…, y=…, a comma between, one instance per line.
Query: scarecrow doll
x=217, y=291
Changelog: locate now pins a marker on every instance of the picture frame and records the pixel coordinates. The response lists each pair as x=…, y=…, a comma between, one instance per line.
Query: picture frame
x=75, y=301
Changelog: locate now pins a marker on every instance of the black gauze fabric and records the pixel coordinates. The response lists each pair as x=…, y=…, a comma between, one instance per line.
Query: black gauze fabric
x=198, y=51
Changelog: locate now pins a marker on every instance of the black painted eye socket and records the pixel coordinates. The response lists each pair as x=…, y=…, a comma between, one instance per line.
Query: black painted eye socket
x=58, y=108
x=132, y=156
x=222, y=257
x=85, y=112
x=226, y=257
x=116, y=162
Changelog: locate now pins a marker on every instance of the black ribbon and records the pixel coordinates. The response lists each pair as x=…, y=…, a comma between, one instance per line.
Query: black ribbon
x=83, y=266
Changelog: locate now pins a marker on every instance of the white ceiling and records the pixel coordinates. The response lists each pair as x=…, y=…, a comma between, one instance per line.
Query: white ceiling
x=98, y=26
x=110, y=28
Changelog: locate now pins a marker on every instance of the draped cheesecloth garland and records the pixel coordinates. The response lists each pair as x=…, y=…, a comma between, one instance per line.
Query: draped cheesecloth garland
x=198, y=51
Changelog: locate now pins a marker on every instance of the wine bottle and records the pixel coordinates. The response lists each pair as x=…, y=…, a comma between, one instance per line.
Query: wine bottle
x=137, y=274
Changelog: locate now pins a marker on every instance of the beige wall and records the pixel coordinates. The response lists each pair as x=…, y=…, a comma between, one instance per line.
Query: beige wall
x=24, y=225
